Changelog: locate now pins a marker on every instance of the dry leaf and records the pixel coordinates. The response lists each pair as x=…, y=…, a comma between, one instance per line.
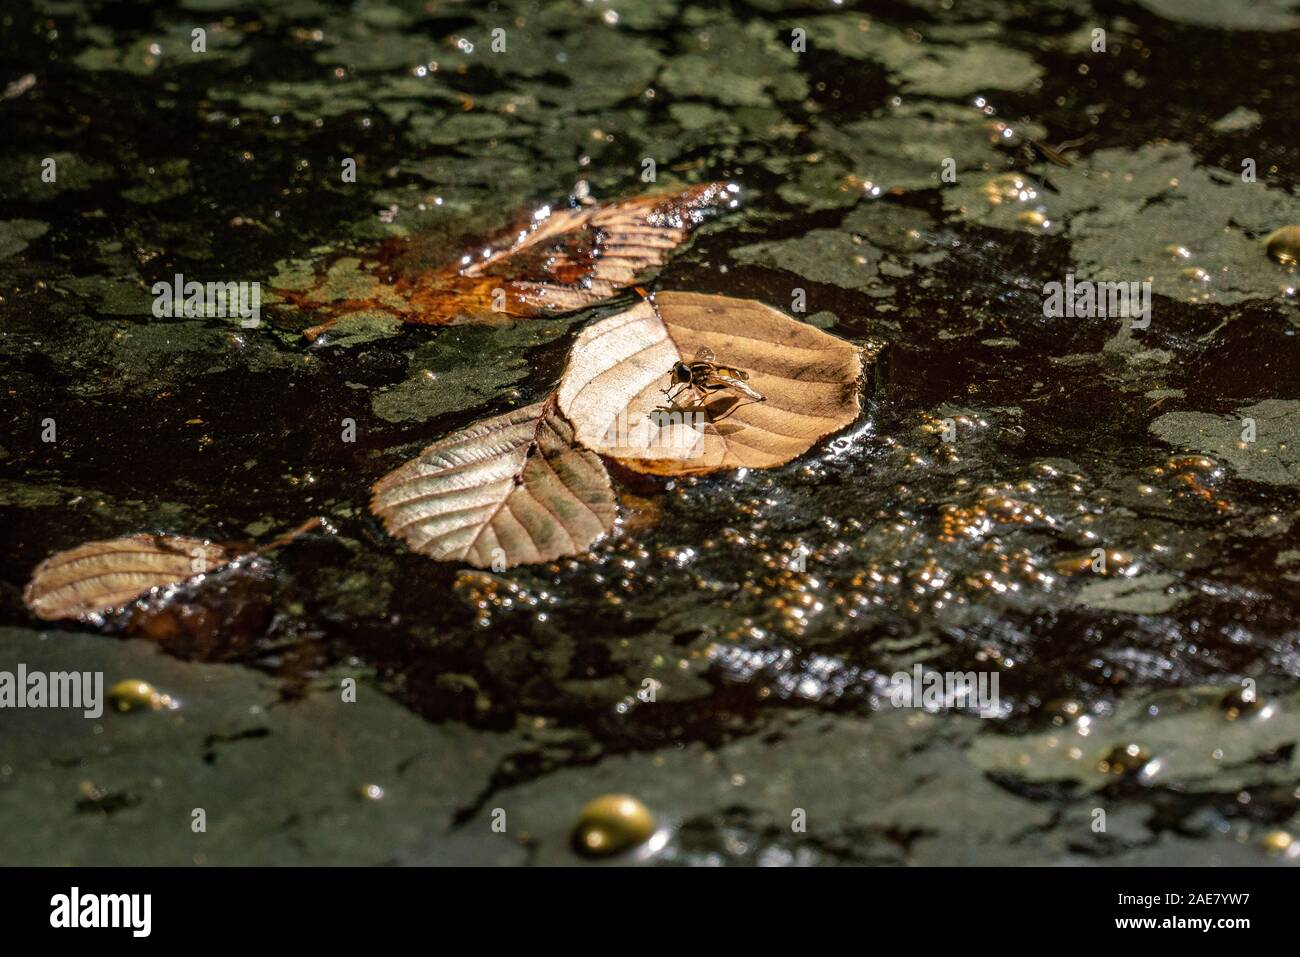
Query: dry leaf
x=506, y=491
x=611, y=389
x=100, y=577
x=550, y=261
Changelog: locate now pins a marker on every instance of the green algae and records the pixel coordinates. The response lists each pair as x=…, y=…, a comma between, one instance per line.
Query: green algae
x=907, y=147
x=346, y=278
x=175, y=47
x=230, y=736
x=875, y=243
x=924, y=68
x=1246, y=15
x=823, y=255
x=1272, y=456
x=1193, y=746
x=1237, y=121
x=464, y=367
x=116, y=296
x=26, y=177
x=1143, y=595
x=169, y=180
x=15, y=234
x=1154, y=214
x=358, y=328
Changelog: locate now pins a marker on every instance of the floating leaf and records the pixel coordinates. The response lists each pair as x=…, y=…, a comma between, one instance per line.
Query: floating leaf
x=612, y=388
x=99, y=577
x=506, y=491
x=550, y=261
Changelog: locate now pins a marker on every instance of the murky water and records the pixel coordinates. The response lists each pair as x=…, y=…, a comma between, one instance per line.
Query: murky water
x=902, y=170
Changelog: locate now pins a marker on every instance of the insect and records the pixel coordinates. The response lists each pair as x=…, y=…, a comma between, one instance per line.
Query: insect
x=704, y=375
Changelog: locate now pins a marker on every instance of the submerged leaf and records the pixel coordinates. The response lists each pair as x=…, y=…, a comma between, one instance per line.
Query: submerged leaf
x=612, y=389
x=506, y=491
x=99, y=577
x=549, y=261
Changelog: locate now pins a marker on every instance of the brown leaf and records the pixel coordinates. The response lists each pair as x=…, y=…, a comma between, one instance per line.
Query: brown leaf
x=99, y=577
x=550, y=261
x=506, y=491
x=612, y=388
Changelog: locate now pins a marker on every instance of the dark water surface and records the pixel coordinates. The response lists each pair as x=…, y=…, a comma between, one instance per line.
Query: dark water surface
x=519, y=691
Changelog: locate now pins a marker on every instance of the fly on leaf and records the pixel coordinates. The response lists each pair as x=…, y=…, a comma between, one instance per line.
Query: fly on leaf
x=704, y=376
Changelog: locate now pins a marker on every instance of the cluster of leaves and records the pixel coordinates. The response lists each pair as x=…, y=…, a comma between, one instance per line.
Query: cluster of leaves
x=531, y=485
x=528, y=486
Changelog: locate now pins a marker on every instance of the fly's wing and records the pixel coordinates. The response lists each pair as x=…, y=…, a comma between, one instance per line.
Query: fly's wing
x=746, y=390
x=705, y=354
x=715, y=382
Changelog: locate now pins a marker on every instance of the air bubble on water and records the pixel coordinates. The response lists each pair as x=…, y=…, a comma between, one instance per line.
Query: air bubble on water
x=1283, y=245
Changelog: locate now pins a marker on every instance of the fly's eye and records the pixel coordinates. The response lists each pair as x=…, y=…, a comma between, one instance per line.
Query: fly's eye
x=681, y=373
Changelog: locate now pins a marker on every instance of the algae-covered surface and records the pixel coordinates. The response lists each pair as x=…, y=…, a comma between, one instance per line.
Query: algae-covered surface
x=1101, y=512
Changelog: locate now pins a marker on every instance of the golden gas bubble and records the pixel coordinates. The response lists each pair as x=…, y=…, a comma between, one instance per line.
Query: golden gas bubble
x=1124, y=759
x=1063, y=710
x=1278, y=842
x=1239, y=701
x=1073, y=564
x=1008, y=188
x=1033, y=217
x=1284, y=245
x=136, y=695
x=612, y=823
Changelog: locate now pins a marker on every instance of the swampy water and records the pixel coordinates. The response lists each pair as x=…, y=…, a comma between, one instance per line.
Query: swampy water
x=1100, y=511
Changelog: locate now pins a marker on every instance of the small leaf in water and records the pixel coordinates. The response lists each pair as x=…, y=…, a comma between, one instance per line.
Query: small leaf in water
x=99, y=577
